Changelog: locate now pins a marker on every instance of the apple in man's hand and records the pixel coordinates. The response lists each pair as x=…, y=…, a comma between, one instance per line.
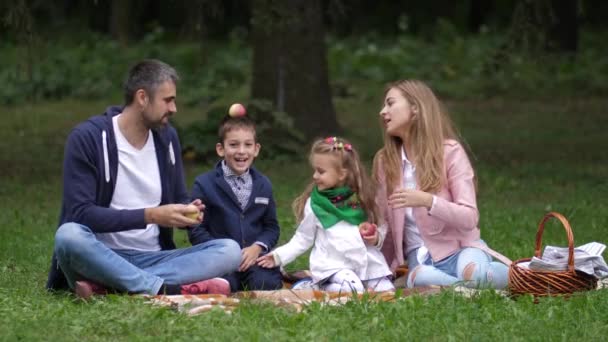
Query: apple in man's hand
x=367, y=229
x=192, y=213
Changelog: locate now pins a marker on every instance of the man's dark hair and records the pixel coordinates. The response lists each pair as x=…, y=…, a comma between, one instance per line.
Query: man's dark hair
x=148, y=75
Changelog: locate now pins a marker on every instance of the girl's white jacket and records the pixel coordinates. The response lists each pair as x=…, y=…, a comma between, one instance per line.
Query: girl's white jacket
x=336, y=248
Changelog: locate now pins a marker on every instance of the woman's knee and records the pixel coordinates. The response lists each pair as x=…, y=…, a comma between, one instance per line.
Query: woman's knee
x=498, y=275
x=473, y=254
x=411, y=278
x=469, y=271
x=473, y=264
x=482, y=274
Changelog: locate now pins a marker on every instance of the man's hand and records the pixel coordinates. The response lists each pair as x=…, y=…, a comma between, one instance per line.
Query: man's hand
x=266, y=261
x=249, y=255
x=175, y=215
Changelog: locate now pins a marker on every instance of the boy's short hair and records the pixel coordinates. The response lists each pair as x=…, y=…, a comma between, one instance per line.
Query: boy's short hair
x=230, y=123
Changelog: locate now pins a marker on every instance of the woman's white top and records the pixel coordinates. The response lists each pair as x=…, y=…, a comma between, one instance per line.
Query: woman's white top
x=411, y=236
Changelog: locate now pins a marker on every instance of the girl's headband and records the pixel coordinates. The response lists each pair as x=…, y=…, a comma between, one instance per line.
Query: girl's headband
x=338, y=144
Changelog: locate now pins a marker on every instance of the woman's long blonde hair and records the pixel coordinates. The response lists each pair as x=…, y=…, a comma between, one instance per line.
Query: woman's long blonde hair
x=431, y=127
x=357, y=179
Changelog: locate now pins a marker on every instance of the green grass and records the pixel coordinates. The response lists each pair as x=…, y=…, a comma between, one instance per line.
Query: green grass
x=530, y=157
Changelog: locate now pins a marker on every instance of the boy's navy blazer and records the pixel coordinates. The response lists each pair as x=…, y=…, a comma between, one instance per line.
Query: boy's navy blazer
x=223, y=216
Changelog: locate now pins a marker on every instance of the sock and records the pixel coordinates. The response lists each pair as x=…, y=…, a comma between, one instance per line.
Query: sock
x=170, y=289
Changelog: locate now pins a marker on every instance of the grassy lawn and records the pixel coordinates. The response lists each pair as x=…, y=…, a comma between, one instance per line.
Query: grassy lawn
x=531, y=156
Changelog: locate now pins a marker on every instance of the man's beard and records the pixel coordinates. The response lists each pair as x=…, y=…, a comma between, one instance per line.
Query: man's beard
x=160, y=124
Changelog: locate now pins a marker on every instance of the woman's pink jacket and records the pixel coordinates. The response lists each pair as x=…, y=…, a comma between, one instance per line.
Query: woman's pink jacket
x=450, y=225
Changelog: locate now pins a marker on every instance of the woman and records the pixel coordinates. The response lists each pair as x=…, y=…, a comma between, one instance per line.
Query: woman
x=427, y=194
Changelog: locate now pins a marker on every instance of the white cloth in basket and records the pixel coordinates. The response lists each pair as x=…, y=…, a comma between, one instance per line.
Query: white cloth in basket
x=587, y=258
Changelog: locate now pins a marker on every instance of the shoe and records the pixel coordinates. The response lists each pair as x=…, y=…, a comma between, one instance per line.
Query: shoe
x=85, y=289
x=209, y=286
x=303, y=284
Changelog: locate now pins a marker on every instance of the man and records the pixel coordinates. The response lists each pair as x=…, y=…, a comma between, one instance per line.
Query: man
x=123, y=192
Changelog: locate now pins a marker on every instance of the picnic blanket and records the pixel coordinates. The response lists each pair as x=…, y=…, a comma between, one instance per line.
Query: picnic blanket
x=295, y=300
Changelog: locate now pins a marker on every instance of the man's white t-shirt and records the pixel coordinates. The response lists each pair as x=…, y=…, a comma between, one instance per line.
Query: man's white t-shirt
x=137, y=186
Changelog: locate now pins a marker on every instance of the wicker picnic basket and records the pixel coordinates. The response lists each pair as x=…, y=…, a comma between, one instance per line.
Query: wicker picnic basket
x=549, y=283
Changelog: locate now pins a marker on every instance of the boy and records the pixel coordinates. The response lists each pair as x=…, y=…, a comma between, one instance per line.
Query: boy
x=239, y=205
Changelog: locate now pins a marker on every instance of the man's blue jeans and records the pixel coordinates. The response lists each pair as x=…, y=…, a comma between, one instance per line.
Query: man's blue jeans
x=81, y=256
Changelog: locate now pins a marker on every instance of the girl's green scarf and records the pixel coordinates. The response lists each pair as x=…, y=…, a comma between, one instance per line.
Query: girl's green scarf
x=334, y=205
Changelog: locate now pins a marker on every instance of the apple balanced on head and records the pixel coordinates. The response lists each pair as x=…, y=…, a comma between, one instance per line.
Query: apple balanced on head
x=237, y=109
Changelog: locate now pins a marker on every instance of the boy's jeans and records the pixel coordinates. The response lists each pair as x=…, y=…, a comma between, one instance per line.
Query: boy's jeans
x=450, y=270
x=81, y=255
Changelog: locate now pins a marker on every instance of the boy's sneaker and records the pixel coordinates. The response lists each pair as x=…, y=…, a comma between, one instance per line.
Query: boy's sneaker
x=85, y=289
x=209, y=286
x=304, y=284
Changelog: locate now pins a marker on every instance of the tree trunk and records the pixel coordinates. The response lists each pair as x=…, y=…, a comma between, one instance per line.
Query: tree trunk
x=478, y=11
x=120, y=25
x=290, y=63
x=563, y=33
x=538, y=27
x=19, y=16
x=545, y=25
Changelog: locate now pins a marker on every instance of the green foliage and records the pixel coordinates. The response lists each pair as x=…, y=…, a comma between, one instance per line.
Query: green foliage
x=95, y=67
x=470, y=66
x=275, y=131
x=456, y=65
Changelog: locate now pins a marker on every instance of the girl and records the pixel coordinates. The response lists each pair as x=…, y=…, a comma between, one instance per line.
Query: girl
x=330, y=212
x=427, y=194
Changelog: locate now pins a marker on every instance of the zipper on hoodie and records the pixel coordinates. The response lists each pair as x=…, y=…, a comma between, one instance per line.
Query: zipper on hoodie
x=106, y=161
x=171, y=153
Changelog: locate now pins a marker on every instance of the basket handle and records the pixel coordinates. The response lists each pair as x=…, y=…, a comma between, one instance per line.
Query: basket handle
x=539, y=237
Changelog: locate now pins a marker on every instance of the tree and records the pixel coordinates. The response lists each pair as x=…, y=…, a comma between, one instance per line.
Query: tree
x=538, y=27
x=563, y=31
x=19, y=17
x=129, y=20
x=290, y=63
x=478, y=11
x=120, y=20
x=545, y=25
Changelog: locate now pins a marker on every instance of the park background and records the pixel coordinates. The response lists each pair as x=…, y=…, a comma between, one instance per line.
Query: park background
x=525, y=81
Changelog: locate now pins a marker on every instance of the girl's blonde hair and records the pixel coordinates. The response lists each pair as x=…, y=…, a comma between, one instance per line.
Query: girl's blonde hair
x=431, y=127
x=357, y=178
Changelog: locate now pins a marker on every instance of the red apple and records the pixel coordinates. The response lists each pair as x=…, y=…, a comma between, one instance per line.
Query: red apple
x=237, y=109
x=367, y=229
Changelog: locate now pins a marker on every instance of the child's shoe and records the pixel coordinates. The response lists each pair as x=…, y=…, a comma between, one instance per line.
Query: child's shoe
x=304, y=284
